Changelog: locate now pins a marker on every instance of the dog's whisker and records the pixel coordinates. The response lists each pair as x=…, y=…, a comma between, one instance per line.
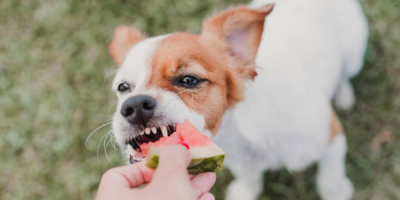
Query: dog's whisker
x=105, y=145
x=182, y=91
x=112, y=104
x=93, y=132
x=192, y=96
x=113, y=143
x=98, y=146
x=192, y=93
x=111, y=71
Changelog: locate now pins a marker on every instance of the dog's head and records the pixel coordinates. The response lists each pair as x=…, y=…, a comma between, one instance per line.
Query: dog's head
x=166, y=79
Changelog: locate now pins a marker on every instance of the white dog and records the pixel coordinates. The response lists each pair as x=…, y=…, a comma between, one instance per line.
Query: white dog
x=260, y=82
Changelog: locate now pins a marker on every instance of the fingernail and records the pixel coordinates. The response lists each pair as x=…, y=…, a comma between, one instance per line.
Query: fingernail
x=184, y=144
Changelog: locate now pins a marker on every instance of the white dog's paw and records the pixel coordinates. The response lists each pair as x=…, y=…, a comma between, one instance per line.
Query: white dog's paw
x=344, y=98
x=335, y=188
x=241, y=190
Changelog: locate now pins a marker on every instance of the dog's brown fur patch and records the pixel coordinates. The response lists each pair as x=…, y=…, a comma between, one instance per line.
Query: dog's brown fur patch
x=336, y=126
x=124, y=39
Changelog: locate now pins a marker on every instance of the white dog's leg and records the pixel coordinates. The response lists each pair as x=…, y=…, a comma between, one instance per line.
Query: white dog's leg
x=344, y=98
x=244, y=160
x=248, y=173
x=332, y=181
x=243, y=188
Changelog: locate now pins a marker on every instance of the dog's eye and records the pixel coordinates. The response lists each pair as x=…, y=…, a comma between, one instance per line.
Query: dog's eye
x=189, y=81
x=123, y=87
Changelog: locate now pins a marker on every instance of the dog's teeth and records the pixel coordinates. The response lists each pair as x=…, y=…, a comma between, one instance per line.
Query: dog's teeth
x=164, y=131
x=147, y=130
x=154, y=129
x=141, y=132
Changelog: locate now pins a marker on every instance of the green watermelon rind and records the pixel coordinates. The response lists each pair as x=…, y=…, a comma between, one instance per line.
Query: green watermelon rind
x=197, y=165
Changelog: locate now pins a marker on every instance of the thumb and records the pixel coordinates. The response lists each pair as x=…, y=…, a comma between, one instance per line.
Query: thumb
x=172, y=166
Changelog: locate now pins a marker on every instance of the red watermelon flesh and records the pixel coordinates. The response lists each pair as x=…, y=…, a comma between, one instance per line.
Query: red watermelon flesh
x=185, y=133
x=206, y=155
x=172, y=139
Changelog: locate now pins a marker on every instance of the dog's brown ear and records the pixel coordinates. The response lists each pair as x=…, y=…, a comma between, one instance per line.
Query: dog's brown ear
x=241, y=28
x=124, y=39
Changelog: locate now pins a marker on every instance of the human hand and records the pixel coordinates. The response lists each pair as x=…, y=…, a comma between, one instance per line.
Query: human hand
x=170, y=181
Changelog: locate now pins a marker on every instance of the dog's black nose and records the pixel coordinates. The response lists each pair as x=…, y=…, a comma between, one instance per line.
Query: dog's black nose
x=139, y=110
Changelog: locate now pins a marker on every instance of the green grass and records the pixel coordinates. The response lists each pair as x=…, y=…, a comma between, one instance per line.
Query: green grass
x=53, y=60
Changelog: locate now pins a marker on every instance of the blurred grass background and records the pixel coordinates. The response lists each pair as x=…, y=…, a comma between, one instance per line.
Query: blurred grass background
x=53, y=94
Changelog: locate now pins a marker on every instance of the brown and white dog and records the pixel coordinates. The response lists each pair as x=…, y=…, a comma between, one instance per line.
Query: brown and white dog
x=260, y=86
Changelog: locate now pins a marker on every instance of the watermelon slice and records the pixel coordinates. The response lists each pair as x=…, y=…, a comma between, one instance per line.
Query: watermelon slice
x=206, y=155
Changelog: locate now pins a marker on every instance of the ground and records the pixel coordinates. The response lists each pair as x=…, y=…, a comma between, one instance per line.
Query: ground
x=55, y=75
